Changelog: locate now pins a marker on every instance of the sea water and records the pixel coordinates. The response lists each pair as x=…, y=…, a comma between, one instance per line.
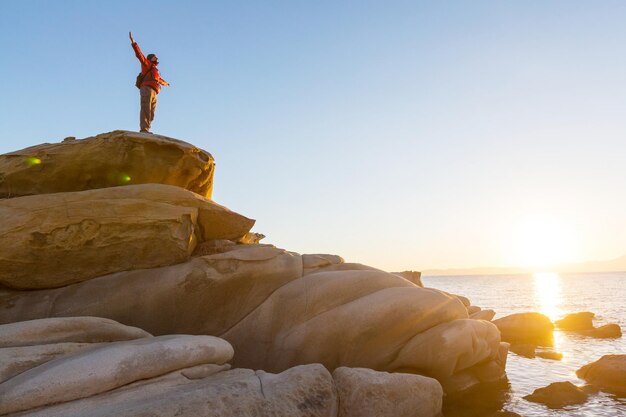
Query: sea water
x=554, y=295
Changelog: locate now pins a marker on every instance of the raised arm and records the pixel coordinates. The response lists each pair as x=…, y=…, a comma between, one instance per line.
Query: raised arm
x=138, y=52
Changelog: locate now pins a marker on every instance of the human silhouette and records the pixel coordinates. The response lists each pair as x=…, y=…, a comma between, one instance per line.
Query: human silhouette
x=149, y=82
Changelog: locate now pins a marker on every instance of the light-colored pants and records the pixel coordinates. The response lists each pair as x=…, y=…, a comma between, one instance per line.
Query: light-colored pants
x=148, y=106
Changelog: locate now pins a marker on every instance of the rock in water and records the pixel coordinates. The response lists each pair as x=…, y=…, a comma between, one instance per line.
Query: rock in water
x=576, y=321
x=107, y=160
x=608, y=372
x=608, y=331
x=525, y=328
x=558, y=395
x=58, y=239
x=367, y=393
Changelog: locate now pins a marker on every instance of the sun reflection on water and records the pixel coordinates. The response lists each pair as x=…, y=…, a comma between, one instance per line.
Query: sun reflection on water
x=548, y=296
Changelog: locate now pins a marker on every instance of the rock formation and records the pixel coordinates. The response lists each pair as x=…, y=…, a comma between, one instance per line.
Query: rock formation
x=58, y=239
x=533, y=328
x=178, y=375
x=168, y=261
x=608, y=373
x=582, y=323
x=558, y=395
x=106, y=160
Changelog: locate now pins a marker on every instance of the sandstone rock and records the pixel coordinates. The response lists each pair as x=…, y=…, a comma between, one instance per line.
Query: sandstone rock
x=526, y=328
x=608, y=331
x=367, y=393
x=346, y=318
x=487, y=315
x=251, y=238
x=107, y=160
x=211, y=247
x=206, y=295
x=414, y=276
x=315, y=261
x=547, y=354
x=473, y=310
x=67, y=329
x=526, y=350
x=59, y=239
x=303, y=391
x=608, y=372
x=103, y=368
x=558, y=395
x=341, y=267
x=448, y=348
x=576, y=321
x=15, y=360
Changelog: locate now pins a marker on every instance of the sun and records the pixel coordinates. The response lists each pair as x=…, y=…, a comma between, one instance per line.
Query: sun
x=541, y=240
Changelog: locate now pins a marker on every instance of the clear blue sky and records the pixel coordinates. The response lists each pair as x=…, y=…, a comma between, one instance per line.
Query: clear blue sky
x=400, y=134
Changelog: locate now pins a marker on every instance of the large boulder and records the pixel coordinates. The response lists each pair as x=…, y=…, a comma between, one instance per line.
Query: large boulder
x=206, y=295
x=608, y=372
x=576, y=321
x=106, y=160
x=106, y=367
x=342, y=318
x=256, y=297
x=533, y=328
x=58, y=239
x=367, y=393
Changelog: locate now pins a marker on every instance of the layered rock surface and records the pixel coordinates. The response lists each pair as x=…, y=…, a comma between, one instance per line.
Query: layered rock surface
x=58, y=239
x=106, y=160
x=278, y=309
x=187, y=376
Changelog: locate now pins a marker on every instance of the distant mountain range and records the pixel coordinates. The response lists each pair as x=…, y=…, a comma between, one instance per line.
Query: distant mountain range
x=613, y=265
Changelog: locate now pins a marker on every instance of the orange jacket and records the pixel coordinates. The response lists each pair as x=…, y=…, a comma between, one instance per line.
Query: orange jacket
x=153, y=79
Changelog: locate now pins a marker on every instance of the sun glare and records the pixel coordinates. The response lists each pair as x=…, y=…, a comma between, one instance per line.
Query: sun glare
x=542, y=241
x=548, y=298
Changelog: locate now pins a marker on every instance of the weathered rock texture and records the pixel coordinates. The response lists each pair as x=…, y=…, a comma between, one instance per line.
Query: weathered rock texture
x=68, y=329
x=257, y=298
x=171, y=376
x=106, y=160
x=608, y=372
x=106, y=367
x=558, y=395
x=533, y=328
x=304, y=391
x=367, y=393
x=58, y=239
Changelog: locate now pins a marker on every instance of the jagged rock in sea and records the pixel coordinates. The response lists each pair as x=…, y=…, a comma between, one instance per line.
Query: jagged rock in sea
x=558, y=395
x=278, y=309
x=608, y=373
x=58, y=239
x=106, y=160
x=533, y=328
x=188, y=376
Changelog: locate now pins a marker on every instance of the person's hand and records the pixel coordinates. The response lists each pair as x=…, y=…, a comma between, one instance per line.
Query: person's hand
x=130, y=35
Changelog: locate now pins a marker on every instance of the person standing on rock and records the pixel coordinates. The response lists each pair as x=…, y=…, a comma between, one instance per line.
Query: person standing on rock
x=149, y=83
